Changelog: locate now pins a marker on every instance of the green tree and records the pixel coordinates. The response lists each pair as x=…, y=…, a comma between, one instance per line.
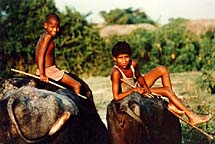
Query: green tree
x=206, y=61
x=175, y=47
x=126, y=16
x=21, y=22
x=79, y=48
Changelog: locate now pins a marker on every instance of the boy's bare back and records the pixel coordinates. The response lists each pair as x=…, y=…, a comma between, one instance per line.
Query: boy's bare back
x=45, y=56
x=45, y=51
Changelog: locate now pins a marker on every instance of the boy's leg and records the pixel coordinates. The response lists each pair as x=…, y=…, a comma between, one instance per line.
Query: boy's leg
x=156, y=73
x=166, y=90
x=172, y=107
x=68, y=80
x=161, y=72
x=175, y=104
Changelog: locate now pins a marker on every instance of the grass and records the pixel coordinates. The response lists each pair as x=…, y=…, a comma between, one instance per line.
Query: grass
x=185, y=87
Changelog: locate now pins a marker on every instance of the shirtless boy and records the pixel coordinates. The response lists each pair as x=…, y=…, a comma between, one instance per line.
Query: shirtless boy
x=126, y=71
x=45, y=56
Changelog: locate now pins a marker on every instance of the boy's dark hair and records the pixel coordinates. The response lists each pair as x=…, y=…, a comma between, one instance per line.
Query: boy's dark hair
x=52, y=15
x=121, y=47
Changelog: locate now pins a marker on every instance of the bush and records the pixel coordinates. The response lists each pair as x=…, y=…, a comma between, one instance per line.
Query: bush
x=206, y=60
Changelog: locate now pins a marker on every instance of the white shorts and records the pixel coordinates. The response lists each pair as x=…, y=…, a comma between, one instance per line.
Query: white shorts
x=53, y=72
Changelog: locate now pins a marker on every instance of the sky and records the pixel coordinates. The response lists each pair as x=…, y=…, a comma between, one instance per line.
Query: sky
x=158, y=10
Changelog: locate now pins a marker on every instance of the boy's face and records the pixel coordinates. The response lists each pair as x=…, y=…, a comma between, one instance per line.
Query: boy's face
x=122, y=60
x=52, y=26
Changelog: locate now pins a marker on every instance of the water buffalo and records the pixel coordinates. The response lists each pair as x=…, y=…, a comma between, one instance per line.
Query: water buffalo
x=29, y=109
x=142, y=120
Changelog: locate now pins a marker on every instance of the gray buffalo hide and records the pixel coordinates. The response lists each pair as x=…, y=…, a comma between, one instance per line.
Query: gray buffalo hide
x=29, y=108
x=140, y=120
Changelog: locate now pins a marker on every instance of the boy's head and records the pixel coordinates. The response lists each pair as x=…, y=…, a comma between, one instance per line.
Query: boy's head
x=52, y=16
x=121, y=47
x=52, y=24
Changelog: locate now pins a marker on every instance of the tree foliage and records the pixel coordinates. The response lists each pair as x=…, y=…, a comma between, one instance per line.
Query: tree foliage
x=79, y=48
x=206, y=60
x=126, y=16
x=21, y=22
x=176, y=46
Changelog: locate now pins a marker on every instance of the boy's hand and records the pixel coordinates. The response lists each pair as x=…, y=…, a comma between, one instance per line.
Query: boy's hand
x=139, y=90
x=142, y=90
x=44, y=78
x=146, y=90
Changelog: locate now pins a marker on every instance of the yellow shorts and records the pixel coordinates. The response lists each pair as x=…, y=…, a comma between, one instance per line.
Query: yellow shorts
x=53, y=72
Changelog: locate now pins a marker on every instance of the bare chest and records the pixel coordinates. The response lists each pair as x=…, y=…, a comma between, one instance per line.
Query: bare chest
x=128, y=73
x=50, y=49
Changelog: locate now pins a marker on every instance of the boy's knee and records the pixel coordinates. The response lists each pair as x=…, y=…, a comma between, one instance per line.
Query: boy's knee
x=77, y=85
x=163, y=69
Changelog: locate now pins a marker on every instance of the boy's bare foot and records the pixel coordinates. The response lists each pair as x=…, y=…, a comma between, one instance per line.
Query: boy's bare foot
x=172, y=108
x=59, y=123
x=198, y=119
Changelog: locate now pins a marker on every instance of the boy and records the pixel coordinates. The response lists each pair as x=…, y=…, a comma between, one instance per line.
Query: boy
x=126, y=71
x=45, y=56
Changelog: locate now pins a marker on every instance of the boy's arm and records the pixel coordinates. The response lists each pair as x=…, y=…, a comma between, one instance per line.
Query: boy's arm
x=41, y=50
x=140, y=78
x=116, y=84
